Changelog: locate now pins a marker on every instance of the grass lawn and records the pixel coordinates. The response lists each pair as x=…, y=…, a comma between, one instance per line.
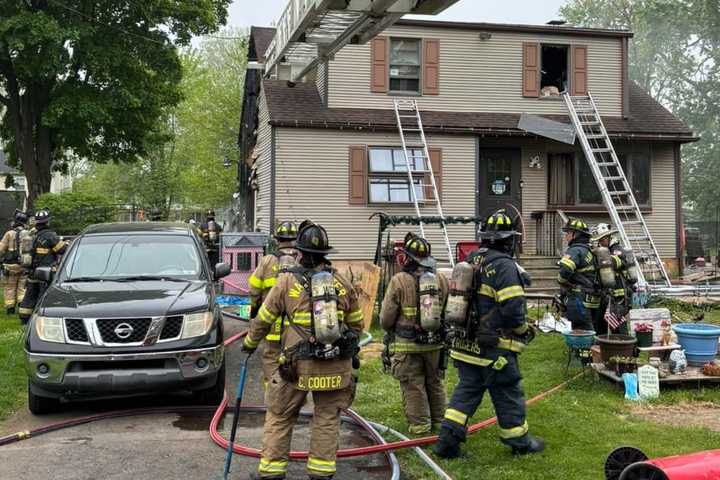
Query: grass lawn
x=581, y=423
x=13, y=382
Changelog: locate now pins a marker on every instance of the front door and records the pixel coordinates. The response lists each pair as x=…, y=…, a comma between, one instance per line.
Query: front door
x=499, y=181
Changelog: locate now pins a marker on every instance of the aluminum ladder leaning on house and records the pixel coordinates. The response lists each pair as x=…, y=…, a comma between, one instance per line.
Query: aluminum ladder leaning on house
x=409, y=123
x=617, y=195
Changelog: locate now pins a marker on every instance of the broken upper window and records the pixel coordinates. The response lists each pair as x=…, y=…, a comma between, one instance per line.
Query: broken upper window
x=554, y=68
x=404, y=65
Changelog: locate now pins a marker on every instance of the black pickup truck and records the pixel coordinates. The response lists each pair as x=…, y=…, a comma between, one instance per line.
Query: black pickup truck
x=130, y=310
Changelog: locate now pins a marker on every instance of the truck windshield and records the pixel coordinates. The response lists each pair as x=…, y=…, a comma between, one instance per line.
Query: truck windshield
x=114, y=257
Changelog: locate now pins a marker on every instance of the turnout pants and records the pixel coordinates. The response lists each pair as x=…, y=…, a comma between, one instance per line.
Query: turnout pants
x=507, y=397
x=282, y=413
x=580, y=315
x=270, y=364
x=423, y=391
x=34, y=290
x=13, y=287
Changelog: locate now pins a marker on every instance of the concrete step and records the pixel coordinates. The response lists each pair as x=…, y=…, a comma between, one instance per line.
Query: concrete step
x=531, y=261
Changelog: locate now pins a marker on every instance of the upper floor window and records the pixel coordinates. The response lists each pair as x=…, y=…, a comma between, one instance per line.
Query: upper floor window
x=554, y=68
x=388, y=178
x=405, y=64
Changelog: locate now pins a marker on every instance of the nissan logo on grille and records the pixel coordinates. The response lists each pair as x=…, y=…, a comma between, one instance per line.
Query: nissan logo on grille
x=124, y=330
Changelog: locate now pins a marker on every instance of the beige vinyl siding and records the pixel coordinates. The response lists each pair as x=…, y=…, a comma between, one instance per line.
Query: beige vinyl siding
x=479, y=76
x=661, y=222
x=263, y=165
x=312, y=182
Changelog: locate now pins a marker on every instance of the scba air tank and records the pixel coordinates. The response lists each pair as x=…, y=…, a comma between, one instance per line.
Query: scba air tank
x=458, y=300
x=430, y=308
x=324, y=305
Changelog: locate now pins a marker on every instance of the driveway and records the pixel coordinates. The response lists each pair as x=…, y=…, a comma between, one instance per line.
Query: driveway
x=160, y=447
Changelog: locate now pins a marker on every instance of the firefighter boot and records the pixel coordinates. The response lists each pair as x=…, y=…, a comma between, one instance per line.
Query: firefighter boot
x=448, y=446
x=10, y=310
x=257, y=476
x=533, y=445
x=313, y=477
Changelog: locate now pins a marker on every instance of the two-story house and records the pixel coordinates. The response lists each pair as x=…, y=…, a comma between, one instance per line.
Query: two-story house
x=329, y=149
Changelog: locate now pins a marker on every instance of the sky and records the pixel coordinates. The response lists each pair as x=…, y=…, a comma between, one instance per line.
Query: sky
x=245, y=13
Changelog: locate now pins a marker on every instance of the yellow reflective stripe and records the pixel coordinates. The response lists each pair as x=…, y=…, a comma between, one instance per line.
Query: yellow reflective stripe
x=269, y=282
x=323, y=466
x=463, y=357
x=591, y=305
x=420, y=429
x=456, y=416
x=272, y=337
x=521, y=329
x=515, y=432
x=560, y=279
x=487, y=290
x=302, y=318
x=270, y=466
x=255, y=282
x=567, y=261
x=42, y=251
x=58, y=246
x=356, y=316
x=249, y=342
x=25, y=311
x=511, y=345
x=409, y=311
x=619, y=292
x=510, y=292
x=589, y=268
x=265, y=315
x=401, y=347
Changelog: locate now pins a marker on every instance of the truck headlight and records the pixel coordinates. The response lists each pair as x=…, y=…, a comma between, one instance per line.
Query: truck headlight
x=49, y=329
x=197, y=324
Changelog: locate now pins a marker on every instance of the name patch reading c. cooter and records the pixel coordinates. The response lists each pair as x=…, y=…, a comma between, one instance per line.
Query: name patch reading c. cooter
x=326, y=382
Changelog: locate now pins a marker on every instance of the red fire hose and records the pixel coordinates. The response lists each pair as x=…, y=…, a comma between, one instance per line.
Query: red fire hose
x=629, y=463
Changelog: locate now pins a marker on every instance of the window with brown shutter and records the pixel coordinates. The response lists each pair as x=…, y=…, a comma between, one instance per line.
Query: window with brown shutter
x=579, y=83
x=358, y=175
x=436, y=162
x=531, y=70
x=379, y=74
x=431, y=67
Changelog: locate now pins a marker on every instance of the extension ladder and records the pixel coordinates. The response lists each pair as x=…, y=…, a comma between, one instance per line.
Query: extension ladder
x=616, y=192
x=410, y=123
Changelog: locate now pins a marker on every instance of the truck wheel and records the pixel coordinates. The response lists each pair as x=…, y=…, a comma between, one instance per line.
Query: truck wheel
x=214, y=394
x=42, y=405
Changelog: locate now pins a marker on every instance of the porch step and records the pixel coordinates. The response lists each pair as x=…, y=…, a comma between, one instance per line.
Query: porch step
x=529, y=262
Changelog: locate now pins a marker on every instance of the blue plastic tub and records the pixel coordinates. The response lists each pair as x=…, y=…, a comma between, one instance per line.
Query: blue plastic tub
x=699, y=340
x=579, y=338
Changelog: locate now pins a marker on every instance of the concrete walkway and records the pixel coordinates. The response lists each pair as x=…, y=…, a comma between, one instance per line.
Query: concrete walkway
x=160, y=447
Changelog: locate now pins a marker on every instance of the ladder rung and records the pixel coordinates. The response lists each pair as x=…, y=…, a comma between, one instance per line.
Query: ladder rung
x=607, y=164
x=619, y=192
x=624, y=208
x=613, y=179
x=633, y=222
x=595, y=137
x=590, y=123
x=602, y=150
x=638, y=239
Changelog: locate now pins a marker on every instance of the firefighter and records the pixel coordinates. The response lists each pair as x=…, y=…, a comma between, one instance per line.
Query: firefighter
x=46, y=250
x=318, y=348
x=263, y=279
x=620, y=295
x=578, y=277
x=210, y=231
x=485, y=352
x=411, y=314
x=11, y=262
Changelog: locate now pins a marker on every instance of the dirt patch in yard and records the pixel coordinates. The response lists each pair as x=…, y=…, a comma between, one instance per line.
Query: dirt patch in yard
x=685, y=414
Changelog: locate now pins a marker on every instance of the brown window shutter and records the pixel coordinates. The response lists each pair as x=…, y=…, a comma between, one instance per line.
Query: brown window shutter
x=379, y=74
x=436, y=162
x=531, y=70
x=579, y=82
x=358, y=175
x=431, y=67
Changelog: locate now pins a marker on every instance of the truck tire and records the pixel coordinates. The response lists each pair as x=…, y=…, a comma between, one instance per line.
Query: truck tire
x=214, y=394
x=42, y=405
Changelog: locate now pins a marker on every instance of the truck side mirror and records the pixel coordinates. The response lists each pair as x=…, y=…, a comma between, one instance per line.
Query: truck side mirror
x=222, y=270
x=44, y=274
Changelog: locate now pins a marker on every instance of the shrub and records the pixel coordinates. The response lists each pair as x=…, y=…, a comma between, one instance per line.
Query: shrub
x=73, y=211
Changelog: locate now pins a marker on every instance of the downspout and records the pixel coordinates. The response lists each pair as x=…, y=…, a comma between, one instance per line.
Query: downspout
x=273, y=170
x=679, y=221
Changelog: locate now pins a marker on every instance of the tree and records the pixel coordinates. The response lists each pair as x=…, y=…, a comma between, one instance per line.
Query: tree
x=91, y=77
x=675, y=55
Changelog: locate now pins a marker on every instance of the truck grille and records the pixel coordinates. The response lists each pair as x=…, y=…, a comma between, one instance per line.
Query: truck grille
x=172, y=327
x=115, y=330
x=75, y=328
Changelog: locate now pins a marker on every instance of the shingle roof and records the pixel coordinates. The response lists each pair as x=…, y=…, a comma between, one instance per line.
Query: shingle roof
x=301, y=106
x=261, y=38
x=513, y=27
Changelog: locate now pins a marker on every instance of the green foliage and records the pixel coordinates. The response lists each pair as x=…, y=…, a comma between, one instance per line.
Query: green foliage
x=92, y=79
x=73, y=211
x=675, y=55
x=13, y=381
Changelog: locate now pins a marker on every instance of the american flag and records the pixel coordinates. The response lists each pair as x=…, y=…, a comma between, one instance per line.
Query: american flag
x=613, y=320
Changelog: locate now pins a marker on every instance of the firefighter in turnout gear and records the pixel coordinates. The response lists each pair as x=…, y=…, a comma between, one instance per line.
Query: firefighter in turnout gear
x=619, y=297
x=486, y=351
x=578, y=277
x=263, y=279
x=11, y=261
x=416, y=296
x=318, y=350
x=210, y=232
x=46, y=250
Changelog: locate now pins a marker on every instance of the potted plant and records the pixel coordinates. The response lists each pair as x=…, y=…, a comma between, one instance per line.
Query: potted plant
x=644, y=334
